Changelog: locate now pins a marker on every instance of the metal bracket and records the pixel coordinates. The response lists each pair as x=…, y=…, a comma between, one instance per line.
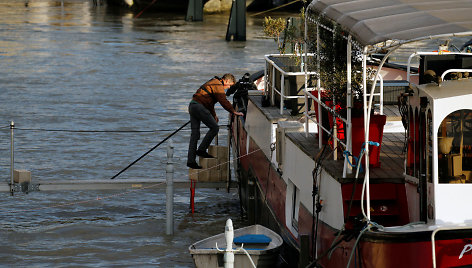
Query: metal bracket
x=25, y=187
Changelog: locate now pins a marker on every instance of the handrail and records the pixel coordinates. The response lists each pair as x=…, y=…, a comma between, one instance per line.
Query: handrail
x=415, y=54
x=324, y=105
x=380, y=94
x=334, y=113
x=282, y=80
x=327, y=131
x=454, y=71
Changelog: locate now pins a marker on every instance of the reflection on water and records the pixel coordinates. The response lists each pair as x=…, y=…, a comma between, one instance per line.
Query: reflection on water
x=69, y=65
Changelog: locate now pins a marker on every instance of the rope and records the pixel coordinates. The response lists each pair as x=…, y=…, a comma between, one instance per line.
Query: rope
x=142, y=11
x=275, y=8
x=152, y=149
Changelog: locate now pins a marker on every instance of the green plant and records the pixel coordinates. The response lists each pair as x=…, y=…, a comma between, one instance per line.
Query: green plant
x=274, y=28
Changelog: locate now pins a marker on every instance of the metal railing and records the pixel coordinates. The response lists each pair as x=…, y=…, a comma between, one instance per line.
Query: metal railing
x=322, y=105
x=270, y=84
x=417, y=55
x=433, y=241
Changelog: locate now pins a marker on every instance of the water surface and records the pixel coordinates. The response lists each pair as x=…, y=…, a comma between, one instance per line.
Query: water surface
x=67, y=67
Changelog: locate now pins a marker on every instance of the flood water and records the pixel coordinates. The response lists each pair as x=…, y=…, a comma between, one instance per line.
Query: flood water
x=71, y=75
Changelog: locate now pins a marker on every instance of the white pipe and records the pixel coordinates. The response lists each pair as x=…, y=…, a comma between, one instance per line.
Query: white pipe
x=367, y=122
x=366, y=133
x=318, y=85
x=408, y=66
x=348, y=134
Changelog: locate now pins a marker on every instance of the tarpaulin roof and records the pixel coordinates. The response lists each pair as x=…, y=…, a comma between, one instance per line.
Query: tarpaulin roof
x=374, y=21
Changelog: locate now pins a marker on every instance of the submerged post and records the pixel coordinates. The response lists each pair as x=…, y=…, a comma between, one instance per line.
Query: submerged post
x=12, y=156
x=194, y=10
x=237, y=21
x=170, y=190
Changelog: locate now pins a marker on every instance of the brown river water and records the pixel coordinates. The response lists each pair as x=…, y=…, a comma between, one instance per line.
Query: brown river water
x=69, y=69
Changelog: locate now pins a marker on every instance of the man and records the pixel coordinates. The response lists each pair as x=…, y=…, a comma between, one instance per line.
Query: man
x=202, y=109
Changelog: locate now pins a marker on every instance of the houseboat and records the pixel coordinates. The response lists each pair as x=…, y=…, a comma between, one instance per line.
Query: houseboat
x=374, y=168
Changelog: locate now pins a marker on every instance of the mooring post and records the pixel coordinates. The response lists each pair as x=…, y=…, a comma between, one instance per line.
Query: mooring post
x=170, y=189
x=12, y=156
x=229, y=252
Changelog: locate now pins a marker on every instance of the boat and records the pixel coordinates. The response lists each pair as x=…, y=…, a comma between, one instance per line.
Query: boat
x=393, y=194
x=261, y=244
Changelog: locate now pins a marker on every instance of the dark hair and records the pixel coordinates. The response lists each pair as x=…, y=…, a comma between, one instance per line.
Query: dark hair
x=229, y=77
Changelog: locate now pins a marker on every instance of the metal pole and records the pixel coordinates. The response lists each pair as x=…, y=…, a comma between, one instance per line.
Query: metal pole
x=12, y=157
x=170, y=189
x=282, y=93
x=348, y=133
x=272, y=88
x=228, y=170
x=318, y=87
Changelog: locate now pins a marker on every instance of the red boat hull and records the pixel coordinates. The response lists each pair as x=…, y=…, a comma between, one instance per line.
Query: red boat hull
x=375, y=248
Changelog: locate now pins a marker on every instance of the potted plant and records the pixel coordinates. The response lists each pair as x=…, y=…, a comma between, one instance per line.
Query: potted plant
x=333, y=77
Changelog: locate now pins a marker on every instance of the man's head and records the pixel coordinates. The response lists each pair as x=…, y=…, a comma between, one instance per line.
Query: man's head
x=228, y=80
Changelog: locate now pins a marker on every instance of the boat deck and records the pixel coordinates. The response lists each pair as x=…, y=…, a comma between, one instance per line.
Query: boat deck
x=391, y=158
x=391, y=154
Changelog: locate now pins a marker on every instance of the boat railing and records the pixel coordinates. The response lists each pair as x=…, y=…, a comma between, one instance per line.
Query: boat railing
x=455, y=71
x=311, y=116
x=271, y=85
x=417, y=55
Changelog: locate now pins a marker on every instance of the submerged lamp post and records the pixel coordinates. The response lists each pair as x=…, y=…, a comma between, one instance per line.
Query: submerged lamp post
x=170, y=190
x=12, y=158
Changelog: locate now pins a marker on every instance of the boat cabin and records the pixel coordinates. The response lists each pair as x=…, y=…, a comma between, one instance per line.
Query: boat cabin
x=439, y=152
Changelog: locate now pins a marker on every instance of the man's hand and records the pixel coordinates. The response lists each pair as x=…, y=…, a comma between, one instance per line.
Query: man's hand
x=238, y=113
x=216, y=118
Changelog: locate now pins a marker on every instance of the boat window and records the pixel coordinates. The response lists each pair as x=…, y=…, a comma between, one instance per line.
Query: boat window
x=455, y=148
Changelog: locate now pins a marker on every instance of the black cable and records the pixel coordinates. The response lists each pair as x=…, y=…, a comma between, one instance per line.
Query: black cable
x=313, y=263
x=98, y=131
x=91, y=131
x=157, y=145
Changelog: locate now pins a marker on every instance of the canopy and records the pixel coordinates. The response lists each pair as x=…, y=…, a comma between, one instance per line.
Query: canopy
x=374, y=21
